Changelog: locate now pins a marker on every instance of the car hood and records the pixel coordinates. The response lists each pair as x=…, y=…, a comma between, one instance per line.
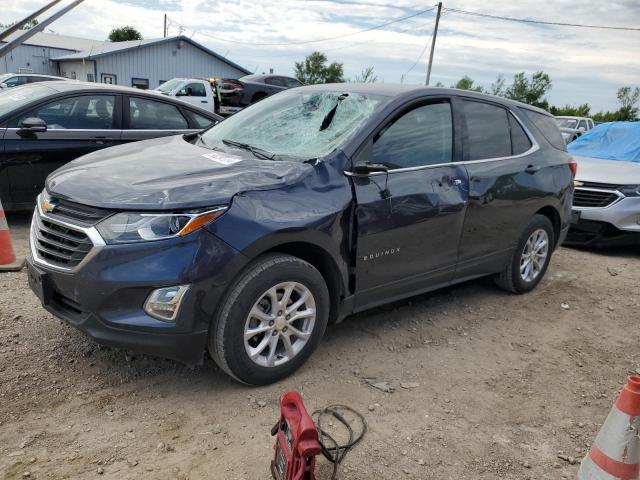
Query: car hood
x=607, y=171
x=167, y=173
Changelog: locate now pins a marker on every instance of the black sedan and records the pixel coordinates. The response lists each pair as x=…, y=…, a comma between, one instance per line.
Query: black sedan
x=237, y=94
x=45, y=125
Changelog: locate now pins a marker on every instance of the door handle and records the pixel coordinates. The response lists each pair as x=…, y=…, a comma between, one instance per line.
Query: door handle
x=532, y=169
x=204, y=101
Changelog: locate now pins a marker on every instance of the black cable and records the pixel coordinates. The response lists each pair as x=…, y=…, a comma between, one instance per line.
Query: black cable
x=336, y=453
x=539, y=22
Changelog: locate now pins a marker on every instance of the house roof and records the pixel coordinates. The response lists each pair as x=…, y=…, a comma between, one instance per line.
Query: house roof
x=110, y=48
x=53, y=40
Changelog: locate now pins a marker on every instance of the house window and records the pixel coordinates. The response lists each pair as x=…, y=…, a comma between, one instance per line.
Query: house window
x=91, y=77
x=141, y=83
x=108, y=78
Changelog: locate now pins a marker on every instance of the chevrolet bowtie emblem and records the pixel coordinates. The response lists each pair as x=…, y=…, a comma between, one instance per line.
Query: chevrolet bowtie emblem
x=47, y=206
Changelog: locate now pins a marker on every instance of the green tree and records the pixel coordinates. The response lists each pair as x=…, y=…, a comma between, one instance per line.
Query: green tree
x=628, y=100
x=530, y=91
x=583, y=110
x=314, y=69
x=498, y=87
x=467, y=83
x=367, y=76
x=27, y=26
x=123, y=34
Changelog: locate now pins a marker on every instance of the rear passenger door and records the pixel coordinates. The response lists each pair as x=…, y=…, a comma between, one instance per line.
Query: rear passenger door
x=503, y=170
x=146, y=118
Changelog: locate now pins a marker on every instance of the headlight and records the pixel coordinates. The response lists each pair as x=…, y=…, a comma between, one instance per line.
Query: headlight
x=631, y=190
x=143, y=227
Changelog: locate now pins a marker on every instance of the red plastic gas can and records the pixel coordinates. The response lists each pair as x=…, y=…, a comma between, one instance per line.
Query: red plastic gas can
x=296, y=441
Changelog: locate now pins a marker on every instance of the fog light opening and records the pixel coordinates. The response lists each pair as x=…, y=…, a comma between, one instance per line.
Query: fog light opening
x=164, y=303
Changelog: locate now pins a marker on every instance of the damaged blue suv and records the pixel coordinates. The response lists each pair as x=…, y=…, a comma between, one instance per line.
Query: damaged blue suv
x=247, y=239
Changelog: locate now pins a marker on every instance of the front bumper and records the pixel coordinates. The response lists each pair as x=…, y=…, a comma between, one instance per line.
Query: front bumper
x=104, y=297
x=623, y=214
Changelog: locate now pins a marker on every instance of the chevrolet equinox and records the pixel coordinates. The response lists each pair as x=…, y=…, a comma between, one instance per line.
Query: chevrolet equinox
x=248, y=238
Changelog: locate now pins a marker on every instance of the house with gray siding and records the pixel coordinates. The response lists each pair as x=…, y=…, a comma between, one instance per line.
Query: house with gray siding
x=146, y=63
x=136, y=63
x=35, y=54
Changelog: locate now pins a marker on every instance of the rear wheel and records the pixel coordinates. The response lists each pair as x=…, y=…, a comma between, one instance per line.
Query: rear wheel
x=272, y=320
x=531, y=257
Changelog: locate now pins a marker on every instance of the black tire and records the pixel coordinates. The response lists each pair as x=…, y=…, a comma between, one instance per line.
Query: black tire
x=226, y=336
x=510, y=278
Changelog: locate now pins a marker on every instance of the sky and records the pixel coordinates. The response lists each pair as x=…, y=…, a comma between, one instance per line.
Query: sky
x=586, y=65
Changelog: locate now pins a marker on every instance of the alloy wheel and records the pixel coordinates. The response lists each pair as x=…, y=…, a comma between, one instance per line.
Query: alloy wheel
x=534, y=255
x=279, y=324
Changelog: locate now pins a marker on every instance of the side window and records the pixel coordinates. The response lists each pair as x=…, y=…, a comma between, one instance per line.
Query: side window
x=422, y=136
x=548, y=127
x=291, y=82
x=14, y=81
x=277, y=81
x=87, y=112
x=520, y=142
x=201, y=120
x=488, y=131
x=141, y=83
x=590, y=122
x=197, y=90
x=147, y=114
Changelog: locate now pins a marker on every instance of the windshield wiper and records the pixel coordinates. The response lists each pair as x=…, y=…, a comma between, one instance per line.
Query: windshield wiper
x=257, y=152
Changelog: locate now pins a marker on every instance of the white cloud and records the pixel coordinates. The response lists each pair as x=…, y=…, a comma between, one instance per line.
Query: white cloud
x=586, y=65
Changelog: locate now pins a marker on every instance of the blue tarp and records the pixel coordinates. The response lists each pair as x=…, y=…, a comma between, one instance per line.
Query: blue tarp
x=611, y=141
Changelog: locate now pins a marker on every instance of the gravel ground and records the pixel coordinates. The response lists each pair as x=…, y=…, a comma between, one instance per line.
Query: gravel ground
x=499, y=386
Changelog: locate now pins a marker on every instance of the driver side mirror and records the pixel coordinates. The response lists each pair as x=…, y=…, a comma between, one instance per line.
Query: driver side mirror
x=32, y=125
x=582, y=129
x=367, y=168
x=3, y=85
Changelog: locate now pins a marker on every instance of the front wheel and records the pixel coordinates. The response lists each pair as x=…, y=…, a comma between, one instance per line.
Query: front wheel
x=531, y=257
x=272, y=320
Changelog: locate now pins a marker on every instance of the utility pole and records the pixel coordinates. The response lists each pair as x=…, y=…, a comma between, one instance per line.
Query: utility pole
x=164, y=34
x=433, y=43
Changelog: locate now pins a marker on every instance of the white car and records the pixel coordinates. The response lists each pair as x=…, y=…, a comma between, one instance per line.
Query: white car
x=572, y=127
x=606, y=203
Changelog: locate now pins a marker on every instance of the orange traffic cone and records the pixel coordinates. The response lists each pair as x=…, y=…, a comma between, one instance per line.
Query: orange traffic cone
x=7, y=255
x=614, y=454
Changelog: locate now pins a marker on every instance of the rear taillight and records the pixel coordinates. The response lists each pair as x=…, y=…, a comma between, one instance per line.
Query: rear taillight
x=573, y=165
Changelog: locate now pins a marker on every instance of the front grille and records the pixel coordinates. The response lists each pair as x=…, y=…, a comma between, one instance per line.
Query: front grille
x=59, y=245
x=593, y=198
x=602, y=186
x=76, y=213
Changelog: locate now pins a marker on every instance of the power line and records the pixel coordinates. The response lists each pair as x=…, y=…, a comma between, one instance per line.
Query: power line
x=375, y=27
x=539, y=22
x=341, y=47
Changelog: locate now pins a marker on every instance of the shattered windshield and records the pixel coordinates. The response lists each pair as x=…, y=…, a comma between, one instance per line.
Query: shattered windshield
x=567, y=122
x=295, y=124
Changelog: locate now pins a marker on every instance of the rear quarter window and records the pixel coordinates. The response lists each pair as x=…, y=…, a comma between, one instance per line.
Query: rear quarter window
x=547, y=125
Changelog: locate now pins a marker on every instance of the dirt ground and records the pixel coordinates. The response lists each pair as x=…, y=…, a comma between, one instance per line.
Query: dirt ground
x=500, y=386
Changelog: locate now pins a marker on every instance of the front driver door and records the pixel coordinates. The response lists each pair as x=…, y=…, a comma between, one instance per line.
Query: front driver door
x=76, y=125
x=409, y=220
